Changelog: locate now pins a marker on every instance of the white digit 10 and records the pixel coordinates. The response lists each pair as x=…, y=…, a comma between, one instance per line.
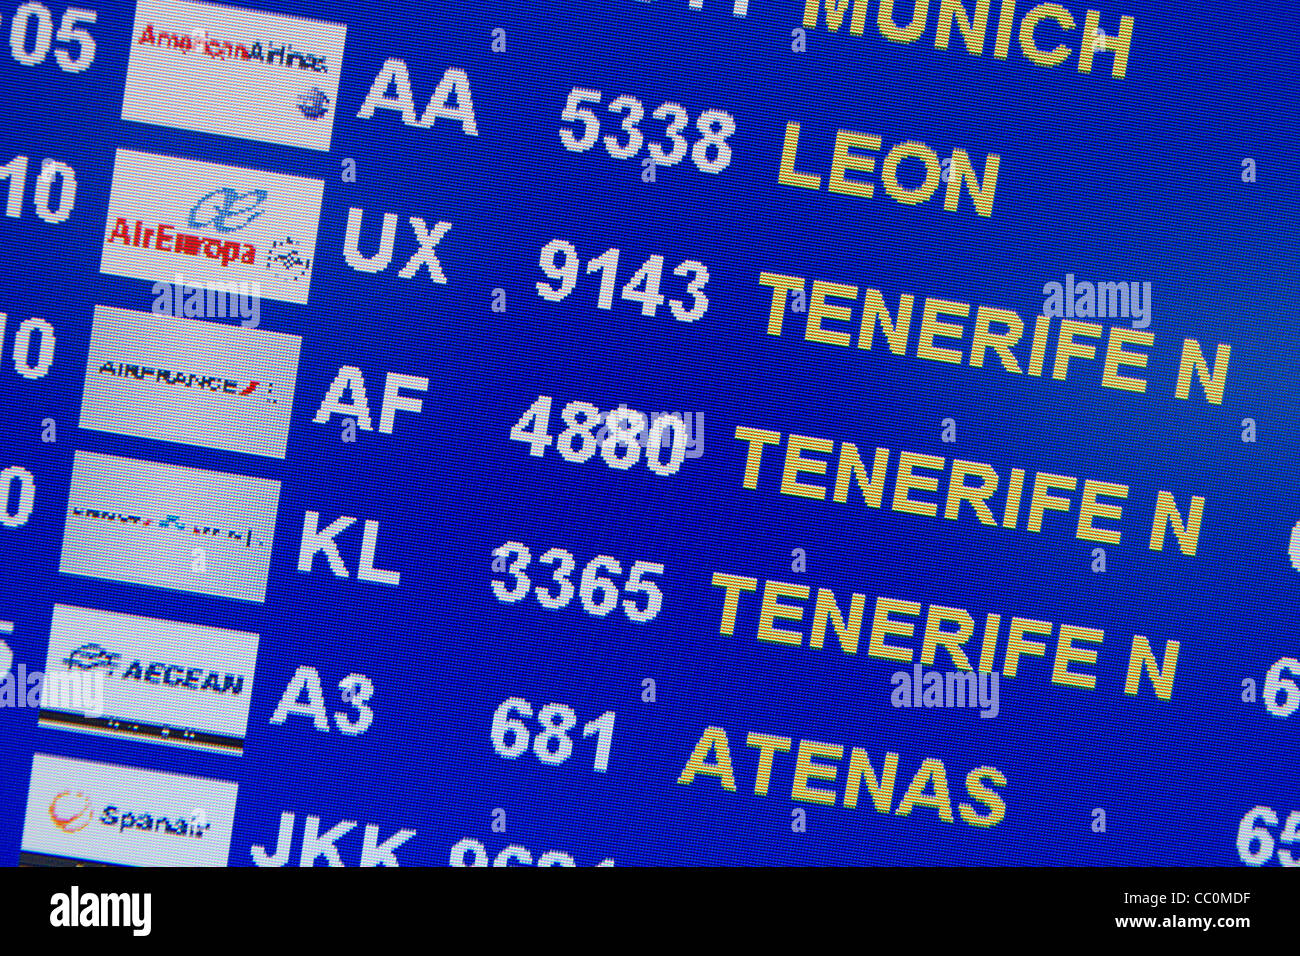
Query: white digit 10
x=51, y=169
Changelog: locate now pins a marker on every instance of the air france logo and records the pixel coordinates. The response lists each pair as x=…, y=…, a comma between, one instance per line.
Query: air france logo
x=230, y=213
x=209, y=383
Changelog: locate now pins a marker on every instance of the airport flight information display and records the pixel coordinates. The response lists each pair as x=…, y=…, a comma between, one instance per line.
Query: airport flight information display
x=610, y=432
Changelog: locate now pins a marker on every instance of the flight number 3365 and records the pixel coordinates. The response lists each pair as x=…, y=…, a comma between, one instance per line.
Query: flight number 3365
x=597, y=589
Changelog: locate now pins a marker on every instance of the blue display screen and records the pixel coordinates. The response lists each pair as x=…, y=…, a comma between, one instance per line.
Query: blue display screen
x=736, y=432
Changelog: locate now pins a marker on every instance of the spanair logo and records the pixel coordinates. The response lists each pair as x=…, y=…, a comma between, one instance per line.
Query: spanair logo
x=81, y=811
x=234, y=72
x=170, y=216
x=70, y=811
x=167, y=682
x=73, y=812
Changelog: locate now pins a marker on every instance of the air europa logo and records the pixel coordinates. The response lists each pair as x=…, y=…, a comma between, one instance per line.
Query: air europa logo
x=229, y=213
x=165, y=238
x=287, y=254
x=212, y=223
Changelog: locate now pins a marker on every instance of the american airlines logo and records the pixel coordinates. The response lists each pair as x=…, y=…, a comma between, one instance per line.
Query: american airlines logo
x=234, y=72
x=235, y=51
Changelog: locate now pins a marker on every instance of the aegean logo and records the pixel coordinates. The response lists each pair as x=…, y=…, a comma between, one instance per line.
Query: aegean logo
x=133, y=911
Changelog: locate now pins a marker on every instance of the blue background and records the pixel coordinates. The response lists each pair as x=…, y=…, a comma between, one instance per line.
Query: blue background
x=1136, y=179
